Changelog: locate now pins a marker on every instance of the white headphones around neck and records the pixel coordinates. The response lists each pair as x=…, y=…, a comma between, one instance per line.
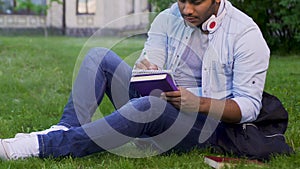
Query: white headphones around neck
x=212, y=23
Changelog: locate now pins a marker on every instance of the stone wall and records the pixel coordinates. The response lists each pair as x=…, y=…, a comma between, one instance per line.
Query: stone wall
x=22, y=21
x=112, y=17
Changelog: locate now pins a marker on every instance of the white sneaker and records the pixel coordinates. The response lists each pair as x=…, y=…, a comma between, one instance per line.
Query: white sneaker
x=52, y=128
x=19, y=148
x=3, y=154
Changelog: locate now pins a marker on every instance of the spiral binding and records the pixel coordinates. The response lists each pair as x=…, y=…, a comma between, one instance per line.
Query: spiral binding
x=142, y=72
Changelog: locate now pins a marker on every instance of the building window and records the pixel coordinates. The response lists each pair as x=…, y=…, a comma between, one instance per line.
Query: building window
x=32, y=7
x=7, y=6
x=86, y=7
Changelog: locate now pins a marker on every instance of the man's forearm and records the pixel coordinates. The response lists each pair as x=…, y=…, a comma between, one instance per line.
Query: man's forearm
x=228, y=110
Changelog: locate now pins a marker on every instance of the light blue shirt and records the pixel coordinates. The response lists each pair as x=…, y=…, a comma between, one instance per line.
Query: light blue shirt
x=188, y=73
x=235, y=62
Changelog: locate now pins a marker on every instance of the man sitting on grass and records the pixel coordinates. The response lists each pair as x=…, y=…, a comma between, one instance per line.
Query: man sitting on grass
x=219, y=60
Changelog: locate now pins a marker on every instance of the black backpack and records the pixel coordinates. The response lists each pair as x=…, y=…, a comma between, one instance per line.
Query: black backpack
x=262, y=138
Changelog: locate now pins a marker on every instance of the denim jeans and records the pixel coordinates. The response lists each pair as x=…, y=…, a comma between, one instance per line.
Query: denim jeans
x=103, y=72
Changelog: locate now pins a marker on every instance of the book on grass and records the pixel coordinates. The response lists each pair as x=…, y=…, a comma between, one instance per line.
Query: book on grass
x=152, y=82
x=220, y=162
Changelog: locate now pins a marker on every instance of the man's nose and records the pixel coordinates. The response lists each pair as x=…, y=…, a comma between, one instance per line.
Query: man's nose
x=188, y=9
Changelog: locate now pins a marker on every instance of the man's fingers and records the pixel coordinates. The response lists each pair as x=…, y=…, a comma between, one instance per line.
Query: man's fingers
x=146, y=65
x=173, y=99
x=141, y=66
x=172, y=94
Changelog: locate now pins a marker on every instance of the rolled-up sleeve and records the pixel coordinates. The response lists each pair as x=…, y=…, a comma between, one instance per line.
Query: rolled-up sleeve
x=249, y=72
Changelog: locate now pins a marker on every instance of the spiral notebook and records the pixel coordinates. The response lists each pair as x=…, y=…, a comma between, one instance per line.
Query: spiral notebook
x=153, y=82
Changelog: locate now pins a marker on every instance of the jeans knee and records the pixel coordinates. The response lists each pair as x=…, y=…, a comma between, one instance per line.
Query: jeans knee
x=98, y=54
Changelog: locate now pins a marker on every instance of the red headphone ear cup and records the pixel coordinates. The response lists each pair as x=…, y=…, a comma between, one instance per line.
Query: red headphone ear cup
x=212, y=25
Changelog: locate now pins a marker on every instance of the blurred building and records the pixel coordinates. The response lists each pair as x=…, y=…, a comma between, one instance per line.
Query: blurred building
x=75, y=17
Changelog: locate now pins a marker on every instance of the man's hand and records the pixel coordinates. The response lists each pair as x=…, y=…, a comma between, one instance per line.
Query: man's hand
x=183, y=100
x=226, y=110
x=146, y=65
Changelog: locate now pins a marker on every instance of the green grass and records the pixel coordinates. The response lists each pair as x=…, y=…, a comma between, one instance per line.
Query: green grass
x=36, y=79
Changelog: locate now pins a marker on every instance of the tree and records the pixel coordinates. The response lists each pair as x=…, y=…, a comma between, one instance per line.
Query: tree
x=278, y=20
x=39, y=9
x=160, y=5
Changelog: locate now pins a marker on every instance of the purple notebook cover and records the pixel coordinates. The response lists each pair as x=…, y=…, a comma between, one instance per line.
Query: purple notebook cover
x=155, y=87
